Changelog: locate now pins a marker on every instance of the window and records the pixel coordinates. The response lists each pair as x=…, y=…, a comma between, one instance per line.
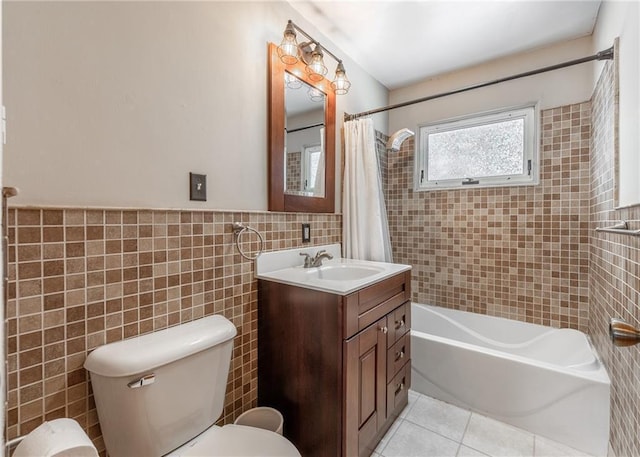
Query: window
x=310, y=162
x=495, y=149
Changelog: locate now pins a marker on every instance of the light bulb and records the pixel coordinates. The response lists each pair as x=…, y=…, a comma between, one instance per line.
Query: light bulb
x=288, y=49
x=316, y=68
x=340, y=83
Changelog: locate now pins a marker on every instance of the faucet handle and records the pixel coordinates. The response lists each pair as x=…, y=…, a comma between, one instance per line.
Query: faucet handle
x=307, y=259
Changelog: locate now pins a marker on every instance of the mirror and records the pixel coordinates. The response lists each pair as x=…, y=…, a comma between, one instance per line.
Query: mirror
x=301, y=139
x=304, y=138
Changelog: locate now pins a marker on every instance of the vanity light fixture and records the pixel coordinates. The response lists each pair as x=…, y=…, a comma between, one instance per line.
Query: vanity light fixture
x=312, y=54
x=288, y=49
x=340, y=84
x=316, y=67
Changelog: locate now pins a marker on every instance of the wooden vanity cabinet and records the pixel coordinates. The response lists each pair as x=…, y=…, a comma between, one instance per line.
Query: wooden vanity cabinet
x=337, y=367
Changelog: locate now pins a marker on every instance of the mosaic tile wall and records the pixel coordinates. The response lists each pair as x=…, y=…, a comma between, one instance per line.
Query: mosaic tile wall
x=383, y=164
x=516, y=252
x=82, y=278
x=615, y=273
x=294, y=171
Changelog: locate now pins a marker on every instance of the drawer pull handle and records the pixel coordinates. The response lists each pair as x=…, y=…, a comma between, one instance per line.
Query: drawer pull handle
x=399, y=324
x=400, y=388
x=384, y=329
x=399, y=355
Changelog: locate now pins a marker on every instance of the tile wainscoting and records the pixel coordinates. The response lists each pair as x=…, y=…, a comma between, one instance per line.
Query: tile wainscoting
x=80, y=278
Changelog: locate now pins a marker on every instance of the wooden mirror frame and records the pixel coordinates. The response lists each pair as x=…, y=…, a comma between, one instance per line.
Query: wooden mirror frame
x=278, y=199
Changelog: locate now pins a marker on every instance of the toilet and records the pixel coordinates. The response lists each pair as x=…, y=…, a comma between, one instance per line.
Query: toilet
x=160, y=394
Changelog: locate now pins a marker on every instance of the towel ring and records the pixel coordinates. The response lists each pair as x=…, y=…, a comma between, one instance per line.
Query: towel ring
x=238, y=230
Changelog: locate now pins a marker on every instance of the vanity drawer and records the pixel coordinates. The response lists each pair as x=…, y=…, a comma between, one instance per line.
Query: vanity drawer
x=398, y=390
x=398, y=354
x=398, y=323
x=366, y=306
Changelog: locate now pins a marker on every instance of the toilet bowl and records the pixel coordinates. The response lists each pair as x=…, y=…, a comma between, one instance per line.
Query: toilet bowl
x=160, y=394
x=236, y=440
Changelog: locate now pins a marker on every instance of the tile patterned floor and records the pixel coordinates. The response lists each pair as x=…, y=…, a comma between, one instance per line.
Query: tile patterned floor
x=431, y=428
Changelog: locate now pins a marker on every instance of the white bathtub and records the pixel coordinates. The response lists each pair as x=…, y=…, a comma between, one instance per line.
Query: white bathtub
x=544, y=380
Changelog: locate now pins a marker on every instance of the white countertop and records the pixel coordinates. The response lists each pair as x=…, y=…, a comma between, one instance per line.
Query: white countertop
x=339, y=276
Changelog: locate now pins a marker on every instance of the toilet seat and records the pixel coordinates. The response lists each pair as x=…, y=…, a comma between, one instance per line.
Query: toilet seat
x=237, y=440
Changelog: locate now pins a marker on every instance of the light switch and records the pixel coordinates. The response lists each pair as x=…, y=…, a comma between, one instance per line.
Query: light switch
x=198, y=187
x=306, y=233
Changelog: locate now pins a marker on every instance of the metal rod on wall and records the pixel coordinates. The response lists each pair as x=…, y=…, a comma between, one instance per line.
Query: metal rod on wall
x=607, y=54
x=321, y=124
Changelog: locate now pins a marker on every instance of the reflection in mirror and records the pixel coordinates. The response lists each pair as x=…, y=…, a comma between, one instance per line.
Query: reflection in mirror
x=304, y=138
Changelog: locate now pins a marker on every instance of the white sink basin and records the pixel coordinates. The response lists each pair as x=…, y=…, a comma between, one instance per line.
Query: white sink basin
x=342, y=272
x=338, y=276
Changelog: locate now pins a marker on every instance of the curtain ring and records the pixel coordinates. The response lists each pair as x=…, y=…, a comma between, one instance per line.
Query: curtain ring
x=238, y=230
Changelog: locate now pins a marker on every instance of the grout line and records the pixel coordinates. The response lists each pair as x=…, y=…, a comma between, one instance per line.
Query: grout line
x=466, y=427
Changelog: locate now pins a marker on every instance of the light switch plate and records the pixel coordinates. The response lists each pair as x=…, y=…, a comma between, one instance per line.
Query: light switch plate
x=198, y=187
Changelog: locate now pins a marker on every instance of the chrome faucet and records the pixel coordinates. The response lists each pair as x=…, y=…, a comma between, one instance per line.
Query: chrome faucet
x=316, y=261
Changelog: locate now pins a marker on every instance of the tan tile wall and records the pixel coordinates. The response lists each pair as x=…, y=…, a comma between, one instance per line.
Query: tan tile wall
x=516, y=252
x=615, y=273
x=83, y=278
x=294, y=171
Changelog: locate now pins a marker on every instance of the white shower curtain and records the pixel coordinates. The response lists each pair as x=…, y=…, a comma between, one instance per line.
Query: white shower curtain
x=365, y=228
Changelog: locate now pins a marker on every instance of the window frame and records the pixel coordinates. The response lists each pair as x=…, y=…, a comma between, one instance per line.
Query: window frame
x=307, y=151
x=531, y=153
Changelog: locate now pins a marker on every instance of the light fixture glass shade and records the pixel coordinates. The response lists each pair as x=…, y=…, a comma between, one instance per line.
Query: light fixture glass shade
x=288, y=49
x=291, y=81
x=316, y=68
x=340, y=83
x=316, y=95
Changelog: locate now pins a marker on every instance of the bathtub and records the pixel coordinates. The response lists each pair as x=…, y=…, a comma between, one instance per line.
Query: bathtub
x=544, y=380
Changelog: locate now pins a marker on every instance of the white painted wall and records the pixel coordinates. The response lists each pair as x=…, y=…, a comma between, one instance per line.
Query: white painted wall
x=622, y=19
x=560, y=87
x=114, y=103
x=297, y=140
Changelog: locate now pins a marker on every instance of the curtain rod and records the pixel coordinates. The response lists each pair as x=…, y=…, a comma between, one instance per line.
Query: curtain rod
x=607, y=54
x=321, y=124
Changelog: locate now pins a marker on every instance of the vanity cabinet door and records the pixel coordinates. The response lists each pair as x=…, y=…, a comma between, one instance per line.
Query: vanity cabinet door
x=366, y=385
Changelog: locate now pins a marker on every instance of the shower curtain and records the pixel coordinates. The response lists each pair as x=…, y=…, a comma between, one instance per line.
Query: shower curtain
x=365, y=228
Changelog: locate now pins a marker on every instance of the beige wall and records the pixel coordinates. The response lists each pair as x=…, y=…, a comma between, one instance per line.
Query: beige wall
x=622, y=19
x=552, y=89
x=112, y=104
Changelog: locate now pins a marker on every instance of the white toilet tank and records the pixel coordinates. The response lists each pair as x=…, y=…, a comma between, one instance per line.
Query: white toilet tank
x=157, y=391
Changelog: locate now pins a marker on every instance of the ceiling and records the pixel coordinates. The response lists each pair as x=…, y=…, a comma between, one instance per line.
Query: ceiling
x=403, y=42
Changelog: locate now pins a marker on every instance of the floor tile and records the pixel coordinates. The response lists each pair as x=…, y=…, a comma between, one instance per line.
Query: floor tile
x=465, y=451
x=440, y=417
x=547, y=448
x=497, y=439
x=413, y=397
x=411, y=440
x=387, y=436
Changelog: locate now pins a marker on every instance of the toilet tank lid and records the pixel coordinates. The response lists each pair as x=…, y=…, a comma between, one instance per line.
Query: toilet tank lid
x=146, y=352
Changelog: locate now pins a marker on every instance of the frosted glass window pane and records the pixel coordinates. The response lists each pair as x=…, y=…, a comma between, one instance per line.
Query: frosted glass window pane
x=475, y=152
x=314, y=160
